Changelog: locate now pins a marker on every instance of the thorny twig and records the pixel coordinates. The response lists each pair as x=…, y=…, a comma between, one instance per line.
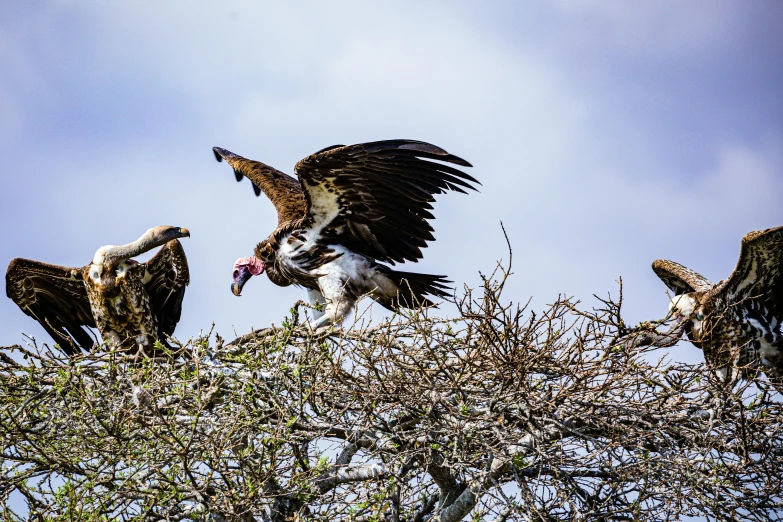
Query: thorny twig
x=418, y=418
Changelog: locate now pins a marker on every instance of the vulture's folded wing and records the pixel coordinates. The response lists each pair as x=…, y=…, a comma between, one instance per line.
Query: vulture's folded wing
x=375, y=198
x=679, y=279
x=54, y=296
x=165, y=277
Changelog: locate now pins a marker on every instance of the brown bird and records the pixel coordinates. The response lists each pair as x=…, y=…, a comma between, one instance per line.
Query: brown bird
x=736, y=322
x=131, y=304
x=353, y=208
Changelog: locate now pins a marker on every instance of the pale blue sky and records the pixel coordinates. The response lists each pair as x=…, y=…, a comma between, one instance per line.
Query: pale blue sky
x=606, y=135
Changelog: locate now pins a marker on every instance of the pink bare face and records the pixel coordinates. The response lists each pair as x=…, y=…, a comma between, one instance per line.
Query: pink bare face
x=244, y=269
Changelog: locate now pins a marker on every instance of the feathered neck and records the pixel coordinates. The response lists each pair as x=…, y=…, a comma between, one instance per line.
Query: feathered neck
x=152, y=238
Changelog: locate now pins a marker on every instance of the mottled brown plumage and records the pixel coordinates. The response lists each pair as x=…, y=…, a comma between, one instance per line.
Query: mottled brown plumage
x=283, y=190
x=736, y=322
x=679, y=279
x=371, y=200
x=131, y=304
x=56, y=297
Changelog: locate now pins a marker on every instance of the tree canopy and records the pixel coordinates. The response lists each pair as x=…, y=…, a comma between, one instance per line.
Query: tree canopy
x=497, y=413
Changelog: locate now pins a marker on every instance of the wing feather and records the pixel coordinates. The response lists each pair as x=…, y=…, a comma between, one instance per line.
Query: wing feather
x=375, y=198
x=166, y=275
x=759, y=271
x=283, y=190
x=56, y=297
x=679, y=279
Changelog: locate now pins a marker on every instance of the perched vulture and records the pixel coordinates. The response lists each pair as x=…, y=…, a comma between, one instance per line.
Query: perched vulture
x=132, y=304
x=353, y=208
x=736, y=322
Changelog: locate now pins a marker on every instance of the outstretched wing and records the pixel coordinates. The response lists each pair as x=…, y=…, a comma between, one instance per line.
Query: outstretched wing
x=54, y=296
x=375, y=198
x=759, y=271
x=283, y=190
x=679, y=279
x=165, y=277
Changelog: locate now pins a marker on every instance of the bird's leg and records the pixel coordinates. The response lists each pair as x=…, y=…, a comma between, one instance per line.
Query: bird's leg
x=334, y=312
x=320, y=323
x=339, y=299
x=316, y=299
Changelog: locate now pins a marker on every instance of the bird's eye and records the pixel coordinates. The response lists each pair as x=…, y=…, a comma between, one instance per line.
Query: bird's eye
x=236, y=273
x=95, y=275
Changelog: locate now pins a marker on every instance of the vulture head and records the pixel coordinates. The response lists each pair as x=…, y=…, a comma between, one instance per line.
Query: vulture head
x=244, y=268
x=691, y=291
x=686, y=306
x=687, y=310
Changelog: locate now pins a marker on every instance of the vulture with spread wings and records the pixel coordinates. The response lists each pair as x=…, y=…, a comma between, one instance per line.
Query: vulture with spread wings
x=736, y=322
x=353, y=208
x=131, y=304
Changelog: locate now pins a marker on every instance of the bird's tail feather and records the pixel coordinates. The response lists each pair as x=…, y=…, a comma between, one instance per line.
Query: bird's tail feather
x=413, y=288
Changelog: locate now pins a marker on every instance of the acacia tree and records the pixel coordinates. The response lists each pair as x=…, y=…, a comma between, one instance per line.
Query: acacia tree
x=497, y=413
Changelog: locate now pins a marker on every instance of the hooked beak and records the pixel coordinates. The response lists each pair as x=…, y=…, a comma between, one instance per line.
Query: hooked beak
x=184, y=232
x=241, y=275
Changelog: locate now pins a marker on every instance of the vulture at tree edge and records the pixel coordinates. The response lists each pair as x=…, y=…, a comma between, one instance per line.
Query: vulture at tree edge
x=353, y=208
x=736, y=322
x=131, y=304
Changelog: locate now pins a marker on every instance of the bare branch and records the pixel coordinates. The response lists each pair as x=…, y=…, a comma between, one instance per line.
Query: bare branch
x=498, y=413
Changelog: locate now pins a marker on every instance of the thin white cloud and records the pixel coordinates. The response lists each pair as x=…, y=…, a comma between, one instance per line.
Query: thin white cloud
x=659, y=29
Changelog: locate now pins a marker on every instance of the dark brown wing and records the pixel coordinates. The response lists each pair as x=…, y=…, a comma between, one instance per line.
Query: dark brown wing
x=54, y=296
x=375, y=198
x=679, y=279
x=165, y=277
x=759, y=271
x=283, y=190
